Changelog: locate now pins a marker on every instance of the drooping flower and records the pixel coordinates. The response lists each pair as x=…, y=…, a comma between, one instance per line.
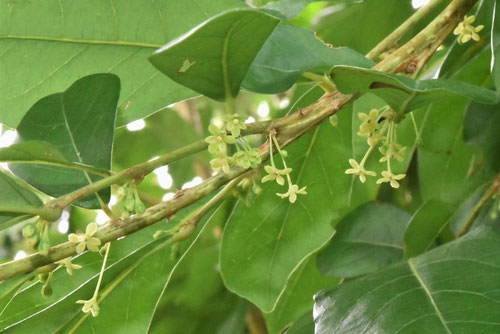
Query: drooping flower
x=222, y=163
x=90, y=305
x=69, y=265
x=86, y=240
x=293, y=191
x=359, y=170
x=369, y=125
x=466, y=31
x=388, y=176
x=275, y=174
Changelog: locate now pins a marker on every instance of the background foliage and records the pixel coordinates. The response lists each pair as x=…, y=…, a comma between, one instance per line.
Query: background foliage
x=94, y=87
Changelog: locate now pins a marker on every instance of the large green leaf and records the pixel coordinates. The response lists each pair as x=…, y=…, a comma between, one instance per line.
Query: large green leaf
x=367, y=239
x=15, y=200
x=280, y=62
x=360, y=25
x=451, y=289
x=80, y=123
x=404, y=94
x=264, y=244
x=448, y=168
x=297, y=296
x=46, y=45
x=136, y=273
x=41, y=152
x=426, y=225
x=213, y=58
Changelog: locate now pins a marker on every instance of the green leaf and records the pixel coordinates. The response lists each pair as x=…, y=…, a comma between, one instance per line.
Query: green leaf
x=297, y=296
x=41, y=152
x=305, y=325
x=280, y=62
x=449, y=169
x=367, y=239
x=213, y=58
x=16, y=201
x=80, y=124
x=264, y=244
x=137, y=270
x=481, y=128
x=426, y=225
x=286, y=9
x=361, y=25
x=458, y=55
x=58, y=42
x=404, y=94
x=451, y=289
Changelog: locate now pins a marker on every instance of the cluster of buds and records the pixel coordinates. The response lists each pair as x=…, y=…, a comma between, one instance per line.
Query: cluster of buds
x=278, y=175
x=129, y=201
x=466, y=31
x=245, y=156
x=37, y=235
x=385, y=137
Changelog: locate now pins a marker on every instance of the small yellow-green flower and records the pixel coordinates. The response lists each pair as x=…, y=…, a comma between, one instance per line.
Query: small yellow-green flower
x=275, y=174
x=293, y=191
x=69, y=265
x=387, y=176
x=86, y=240
x=235, y=123
x=222, y=163
x=393, y=150
x=369, y=125
x=359, y=170
x=217, y=142
x=466, y=31
x=90, y=305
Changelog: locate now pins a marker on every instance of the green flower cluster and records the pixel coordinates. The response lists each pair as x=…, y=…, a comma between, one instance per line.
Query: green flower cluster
x=276, y=174
x=245, y=156
x=384, y=136
x=129, y=201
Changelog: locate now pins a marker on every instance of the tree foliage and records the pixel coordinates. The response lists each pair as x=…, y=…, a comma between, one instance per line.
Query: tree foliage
x=227, y=166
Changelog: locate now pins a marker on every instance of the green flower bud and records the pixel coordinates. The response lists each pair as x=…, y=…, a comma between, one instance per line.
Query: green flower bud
x=29, y=231
x=43, y=247
x=46, y=291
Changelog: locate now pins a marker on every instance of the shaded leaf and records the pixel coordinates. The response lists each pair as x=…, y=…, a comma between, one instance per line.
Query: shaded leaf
x=448, y=168
x=426, y=225
x=297, y=297
x=481, y=128
x=15, y=200
x=134, y=278
x=339, y=24
x=305, y=325
x=80, y=124
x=41, y=152
x=264, y=244
x=404, y=94
x=286, y=9
x=213, y=58
x=367, y=239
x=280, y=62
x=451, y=289
x=47, y=45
